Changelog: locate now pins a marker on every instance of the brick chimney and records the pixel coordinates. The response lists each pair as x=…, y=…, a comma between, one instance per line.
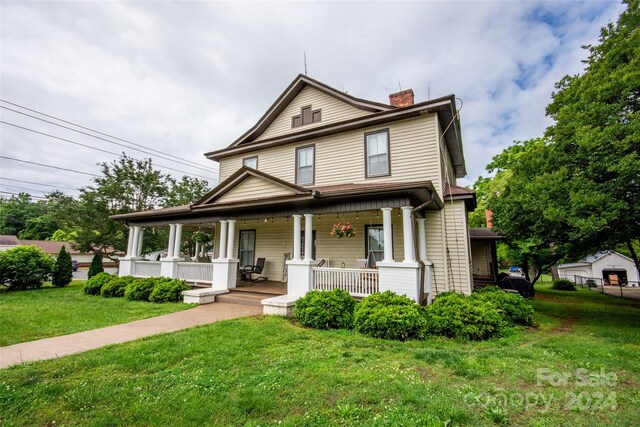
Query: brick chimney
x=488, y=215
x=401, y=99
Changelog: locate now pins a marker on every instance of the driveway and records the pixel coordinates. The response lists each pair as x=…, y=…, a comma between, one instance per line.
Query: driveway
x=81, y=274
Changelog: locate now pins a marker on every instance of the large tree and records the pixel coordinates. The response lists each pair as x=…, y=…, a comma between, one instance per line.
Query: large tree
x=596, y=137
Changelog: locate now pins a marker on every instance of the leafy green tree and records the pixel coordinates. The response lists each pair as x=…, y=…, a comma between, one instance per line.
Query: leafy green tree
x=184, y=192
x=96, y=266
x=596, y=134
x=25, y=267
x=16, y=211
x=63, y=270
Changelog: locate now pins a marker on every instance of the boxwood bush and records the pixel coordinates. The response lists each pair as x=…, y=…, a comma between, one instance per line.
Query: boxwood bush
x=515, y=309
x=454, y=315
x=116, y=286
x=326, y=309
x=95, y=284
x=391, y=316
x=25, y=267
x=563, y=285
x=168, y=291
x=140, y=289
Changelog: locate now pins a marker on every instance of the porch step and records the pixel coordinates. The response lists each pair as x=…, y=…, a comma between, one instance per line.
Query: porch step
x=253, y=299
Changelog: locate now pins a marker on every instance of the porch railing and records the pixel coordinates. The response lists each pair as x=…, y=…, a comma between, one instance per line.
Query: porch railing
x=357, y=282
x=146, y=269
x=199, y=272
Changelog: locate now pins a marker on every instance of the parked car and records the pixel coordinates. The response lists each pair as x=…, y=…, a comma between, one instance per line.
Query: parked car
x=74, y=264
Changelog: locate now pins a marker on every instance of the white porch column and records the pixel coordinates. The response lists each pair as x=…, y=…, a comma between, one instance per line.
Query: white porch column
x=197, y=251
x=176, y=246
x=136, y=238
x=223, y=239
x=230, y=238
x=169, y=266
x=422, y=253
x=388, y=235
x=296, y=237
x=308, y=237
x=140, y=238
x=407, y=234
x=172, y=240
x=130, y=243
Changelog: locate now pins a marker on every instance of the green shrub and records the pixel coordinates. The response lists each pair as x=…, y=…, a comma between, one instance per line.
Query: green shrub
x=168, y=291
x=515, y=309
x=140, y=289
x=454, y=315
x=116, y=286
x=96, y=266
x=62, y=271
x=95, y=284
x=563, y=285
x=25, y=267
x=326, y=309
x=390, y=316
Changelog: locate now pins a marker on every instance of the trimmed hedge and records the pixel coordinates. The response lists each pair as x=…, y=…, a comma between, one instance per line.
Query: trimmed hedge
x=563, y=285
x=391, y=316
x=454, y=315
x=116, y=286
x=168, y=291
x=140, y=289
x=95, y=284
x=326, y=309
x=515, y=309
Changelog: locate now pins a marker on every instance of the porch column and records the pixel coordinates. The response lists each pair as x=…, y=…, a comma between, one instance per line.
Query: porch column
x=197, y=251
x=130, y=243
x=407, y=234
x=140, y=237
x=223, y=239
x=308, y=237
x=172, y=239
x=296, y=237
x=230, y=238
x=422, y=253
x=136, y=237
x=388, y=236
x=176, y=246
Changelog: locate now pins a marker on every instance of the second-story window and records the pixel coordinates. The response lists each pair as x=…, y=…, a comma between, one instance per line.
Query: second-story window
x=305, y=158
x=251, y=162
x=376, y=151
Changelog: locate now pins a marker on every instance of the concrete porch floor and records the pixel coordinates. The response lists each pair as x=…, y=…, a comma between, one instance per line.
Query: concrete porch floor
x=269, y=287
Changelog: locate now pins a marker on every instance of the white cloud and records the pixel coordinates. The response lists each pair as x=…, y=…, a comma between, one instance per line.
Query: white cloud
x=190, y=77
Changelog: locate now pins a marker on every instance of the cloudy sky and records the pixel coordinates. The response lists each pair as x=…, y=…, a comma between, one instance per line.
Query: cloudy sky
x=184, y=78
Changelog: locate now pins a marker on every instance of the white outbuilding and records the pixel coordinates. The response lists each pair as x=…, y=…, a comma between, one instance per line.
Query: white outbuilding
x=609, y=266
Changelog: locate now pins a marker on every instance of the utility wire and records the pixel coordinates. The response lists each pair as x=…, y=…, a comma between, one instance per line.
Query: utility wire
x=92, y=130
x=24, y=188
x=49, y=166
x=36, y=183
x=95, y=148
x=17, y=194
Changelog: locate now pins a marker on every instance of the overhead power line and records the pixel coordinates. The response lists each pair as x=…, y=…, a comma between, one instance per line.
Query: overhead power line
x=24, y=188
x=36, y=183
x=17, y=194
x=91, y=147
x=199, y=165
x=48, y=166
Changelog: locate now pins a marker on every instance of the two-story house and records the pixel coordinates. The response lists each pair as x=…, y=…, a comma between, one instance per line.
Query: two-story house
x=320, y=157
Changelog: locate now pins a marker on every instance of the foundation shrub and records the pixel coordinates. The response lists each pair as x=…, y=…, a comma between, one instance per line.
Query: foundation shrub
x=390, y=316
x=326, y=309
x=168, y=291
x=563, y=285
x=95, y=284
x=515, y=309
x=116, y=286
x=140, y=289
x=25, y=267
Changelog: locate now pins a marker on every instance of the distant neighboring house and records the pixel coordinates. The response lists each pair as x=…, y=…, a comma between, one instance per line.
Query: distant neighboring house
x=52, y=248
x=602, y=265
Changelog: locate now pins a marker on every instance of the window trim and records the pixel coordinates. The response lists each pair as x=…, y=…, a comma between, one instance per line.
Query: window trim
x=300, y=116
x=255, y=238
x=366, y=239
x=249, y=158
x=366, y=154
x=313, y=166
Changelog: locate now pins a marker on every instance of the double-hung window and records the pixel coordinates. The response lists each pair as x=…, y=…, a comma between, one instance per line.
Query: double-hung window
x=375, y=241
x=247, y=247
x=305, y=158
x=377, y=153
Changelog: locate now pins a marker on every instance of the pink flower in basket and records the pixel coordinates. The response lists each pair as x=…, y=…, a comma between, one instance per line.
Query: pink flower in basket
x=343, y=229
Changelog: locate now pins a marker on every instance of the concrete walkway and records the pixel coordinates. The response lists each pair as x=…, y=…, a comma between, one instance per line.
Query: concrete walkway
x=51, y=348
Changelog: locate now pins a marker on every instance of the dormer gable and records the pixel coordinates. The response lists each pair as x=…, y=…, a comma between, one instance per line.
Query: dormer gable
x=307, y=103
x=250, y=184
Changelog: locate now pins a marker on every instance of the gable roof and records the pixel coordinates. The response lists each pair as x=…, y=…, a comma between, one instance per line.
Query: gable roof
x=7, y=240
x=479, y=233
x=240, y=176
x=296, y=86
x=590, y=259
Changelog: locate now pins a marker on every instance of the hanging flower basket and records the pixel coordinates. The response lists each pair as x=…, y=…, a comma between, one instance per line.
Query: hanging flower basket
x=343, y=229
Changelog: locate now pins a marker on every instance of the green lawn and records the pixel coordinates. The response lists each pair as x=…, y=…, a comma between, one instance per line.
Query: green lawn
x=267, y=371
x=47, y=312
